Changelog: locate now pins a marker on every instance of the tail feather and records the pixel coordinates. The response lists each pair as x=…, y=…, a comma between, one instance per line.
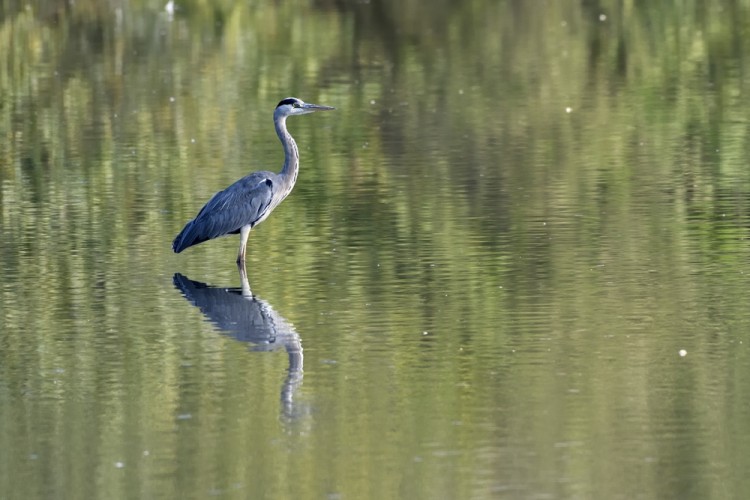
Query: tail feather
x=187, y=237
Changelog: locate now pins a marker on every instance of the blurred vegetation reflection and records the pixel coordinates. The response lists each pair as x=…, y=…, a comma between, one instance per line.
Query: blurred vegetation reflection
x=517, y=218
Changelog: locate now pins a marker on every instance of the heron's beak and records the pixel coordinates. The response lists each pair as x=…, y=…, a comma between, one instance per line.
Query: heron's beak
x=317, y=107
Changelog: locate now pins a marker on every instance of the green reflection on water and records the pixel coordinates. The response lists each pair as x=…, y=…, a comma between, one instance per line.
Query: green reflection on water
x=497, y=247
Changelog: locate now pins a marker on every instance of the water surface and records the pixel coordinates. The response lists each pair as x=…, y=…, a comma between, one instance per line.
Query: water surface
x=515, y=264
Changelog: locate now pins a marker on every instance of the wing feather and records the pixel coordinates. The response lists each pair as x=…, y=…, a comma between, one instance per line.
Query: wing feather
x=243, y=203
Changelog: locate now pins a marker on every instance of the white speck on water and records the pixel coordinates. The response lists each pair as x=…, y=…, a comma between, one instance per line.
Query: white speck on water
x=372, y=102
x=119, y=465
x=683, y=353
x=602, y=17
x=171, y=99
x=425, y=333
x=568, y=109
x=564, y=24
x=192, y=140
x=184, y=416
x=146, y=453
x=460, y=91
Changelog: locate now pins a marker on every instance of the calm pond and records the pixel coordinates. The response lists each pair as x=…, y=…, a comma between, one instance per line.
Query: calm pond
x=516, y=263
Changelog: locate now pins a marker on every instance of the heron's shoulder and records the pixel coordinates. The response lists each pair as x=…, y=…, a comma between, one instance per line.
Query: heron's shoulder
x=255, y=185
x=255, y=179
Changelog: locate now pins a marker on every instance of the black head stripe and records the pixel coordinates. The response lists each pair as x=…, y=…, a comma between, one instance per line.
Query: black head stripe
x=289, y=101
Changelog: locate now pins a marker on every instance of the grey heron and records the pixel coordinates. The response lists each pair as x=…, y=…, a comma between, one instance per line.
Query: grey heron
x=249, y=201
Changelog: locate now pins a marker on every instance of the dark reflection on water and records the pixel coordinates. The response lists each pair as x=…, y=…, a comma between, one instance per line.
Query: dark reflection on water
x=244, y=317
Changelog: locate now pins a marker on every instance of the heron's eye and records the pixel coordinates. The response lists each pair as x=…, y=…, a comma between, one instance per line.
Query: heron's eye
x=296, y=105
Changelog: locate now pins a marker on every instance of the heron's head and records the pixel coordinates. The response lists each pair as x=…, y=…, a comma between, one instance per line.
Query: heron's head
x=293, y=106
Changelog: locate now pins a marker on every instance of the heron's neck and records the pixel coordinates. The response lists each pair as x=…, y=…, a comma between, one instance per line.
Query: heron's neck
x=291, y=155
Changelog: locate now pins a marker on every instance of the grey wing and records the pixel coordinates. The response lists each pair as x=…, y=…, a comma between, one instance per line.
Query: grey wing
x=241, y=204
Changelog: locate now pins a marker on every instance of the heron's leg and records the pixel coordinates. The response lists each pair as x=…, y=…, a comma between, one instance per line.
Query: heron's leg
x=244, y=233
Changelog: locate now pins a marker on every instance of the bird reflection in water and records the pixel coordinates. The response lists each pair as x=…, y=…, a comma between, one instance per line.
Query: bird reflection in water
x=244, y=317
